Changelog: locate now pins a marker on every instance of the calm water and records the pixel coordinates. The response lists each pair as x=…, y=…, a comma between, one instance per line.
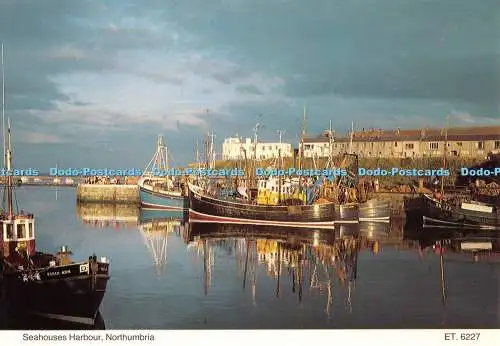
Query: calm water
x=394, y=287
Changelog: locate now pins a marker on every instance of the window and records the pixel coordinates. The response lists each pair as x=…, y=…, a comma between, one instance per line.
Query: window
x=409, y=146
x=395, y=144
x=30, y=230
x=459, y=144
x=433, y=145
x=497, y=144
x=10, y=232
x=480, y=145
x=21, y=231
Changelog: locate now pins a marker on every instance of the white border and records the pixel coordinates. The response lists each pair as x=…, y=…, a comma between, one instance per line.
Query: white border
x=408, y=337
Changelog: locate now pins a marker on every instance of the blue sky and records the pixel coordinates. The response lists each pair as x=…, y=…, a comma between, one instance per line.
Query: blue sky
x=91, y=83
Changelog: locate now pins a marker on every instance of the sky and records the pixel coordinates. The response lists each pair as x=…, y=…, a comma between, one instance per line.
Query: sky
x=91, y=83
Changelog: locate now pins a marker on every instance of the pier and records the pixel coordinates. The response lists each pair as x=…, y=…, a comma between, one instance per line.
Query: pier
x=108, y=193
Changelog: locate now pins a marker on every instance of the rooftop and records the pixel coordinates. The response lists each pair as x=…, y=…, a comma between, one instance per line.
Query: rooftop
x=428, y=134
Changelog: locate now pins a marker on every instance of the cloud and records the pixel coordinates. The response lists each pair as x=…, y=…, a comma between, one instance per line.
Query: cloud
x=39, y=137
x=249, y=89
x=84, y=70
x=67, y=53
x=473, y=120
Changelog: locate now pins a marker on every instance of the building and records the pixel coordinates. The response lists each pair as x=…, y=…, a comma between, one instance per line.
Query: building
x=416, y=143
x=234, y=148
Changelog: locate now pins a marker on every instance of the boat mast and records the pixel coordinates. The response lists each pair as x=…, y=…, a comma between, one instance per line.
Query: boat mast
x=7, y=152
x=330, y=144
x=301, y=143
x=255, y=139
x=351, y=137
x=9, y=172
x=444, y=152
x=279, y=177
x=212, y=150
x=3, y=110
x=205, y=149
x=167, y=166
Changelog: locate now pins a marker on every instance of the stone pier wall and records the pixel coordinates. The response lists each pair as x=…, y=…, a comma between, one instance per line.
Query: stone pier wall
x=107, y=193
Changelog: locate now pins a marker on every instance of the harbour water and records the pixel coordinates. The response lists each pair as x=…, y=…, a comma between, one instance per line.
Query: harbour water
x=230, y=280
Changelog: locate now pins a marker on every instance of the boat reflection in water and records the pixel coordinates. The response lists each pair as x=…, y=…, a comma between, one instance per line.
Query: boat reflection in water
x=153, y=225
x=476, y=245
x=455, y=247
x=155, y=236
x=40, y=323
x=310, y=260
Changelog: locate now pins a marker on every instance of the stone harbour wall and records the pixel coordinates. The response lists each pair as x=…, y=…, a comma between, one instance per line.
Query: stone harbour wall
x=108, y=193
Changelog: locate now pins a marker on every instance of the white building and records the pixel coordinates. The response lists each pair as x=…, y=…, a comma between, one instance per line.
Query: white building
x=234, y=148
x=318, y=146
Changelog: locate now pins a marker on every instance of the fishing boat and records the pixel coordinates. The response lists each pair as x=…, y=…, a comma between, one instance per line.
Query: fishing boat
x=43, y=284
x=39, y=283
x=278, y=201
x=207, y=208
x=472, y=214
x=159, y=187
x=462, y=211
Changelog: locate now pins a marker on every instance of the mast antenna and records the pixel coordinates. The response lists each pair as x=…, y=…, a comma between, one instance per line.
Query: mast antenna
x=3, y=109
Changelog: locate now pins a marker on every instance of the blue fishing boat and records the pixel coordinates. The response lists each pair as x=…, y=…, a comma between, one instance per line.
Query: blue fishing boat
x=159, y=190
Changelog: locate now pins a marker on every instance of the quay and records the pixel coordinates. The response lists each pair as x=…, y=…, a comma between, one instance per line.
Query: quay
x=108, y=193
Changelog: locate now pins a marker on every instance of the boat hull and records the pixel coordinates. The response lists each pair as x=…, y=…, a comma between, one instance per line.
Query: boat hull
x=347, y=213
x=374, y=211
x=208, y=209
x=147, y=214
x=161, y=200
x=221, y=231
x=435, y=213
x=64, y=293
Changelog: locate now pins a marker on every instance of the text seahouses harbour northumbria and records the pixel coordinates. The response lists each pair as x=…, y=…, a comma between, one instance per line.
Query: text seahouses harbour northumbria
x=69, y=336
x=259, y=172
